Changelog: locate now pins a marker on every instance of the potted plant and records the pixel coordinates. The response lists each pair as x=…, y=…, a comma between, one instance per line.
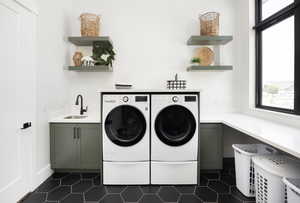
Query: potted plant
x=195, y=61
x=103, y=54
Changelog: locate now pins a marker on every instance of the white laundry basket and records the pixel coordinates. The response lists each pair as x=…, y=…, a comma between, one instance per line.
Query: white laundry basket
x=244, y=169
x=269, y=171
x=293, y=190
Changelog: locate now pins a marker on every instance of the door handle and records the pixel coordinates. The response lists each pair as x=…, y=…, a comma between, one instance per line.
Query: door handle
x=26, y=125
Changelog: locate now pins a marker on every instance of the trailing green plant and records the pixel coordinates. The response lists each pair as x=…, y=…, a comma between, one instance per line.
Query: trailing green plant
x=103, y=53
x=195, y=60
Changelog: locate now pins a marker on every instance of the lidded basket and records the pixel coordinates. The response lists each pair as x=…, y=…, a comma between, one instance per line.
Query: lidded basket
x=90, y=25
x=209, y=23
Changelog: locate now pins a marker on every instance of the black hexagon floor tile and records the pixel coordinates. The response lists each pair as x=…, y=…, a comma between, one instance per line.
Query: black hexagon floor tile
x=150, y=189
x=59, y=193
x=206, y=194
x=70, y=179
x=112, y=198
x=168, y=194
x=189, y=199
x=95, y=193
x=36, y=198
x=236, y=193
x=227, y=198
x=73, y=198
x=215, y=186
x=150, y=198
x=115, y=188
x=132, y=194
x=81, y=186
x=185, y=189
x=48, y=185
x=219, y=187
x=228, y=179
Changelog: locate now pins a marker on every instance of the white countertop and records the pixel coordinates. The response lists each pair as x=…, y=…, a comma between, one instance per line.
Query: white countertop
x=280, y=136
x=88, y=119
x=149, y=90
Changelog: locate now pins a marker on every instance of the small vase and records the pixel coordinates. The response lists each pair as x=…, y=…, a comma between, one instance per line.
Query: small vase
x=77, y=58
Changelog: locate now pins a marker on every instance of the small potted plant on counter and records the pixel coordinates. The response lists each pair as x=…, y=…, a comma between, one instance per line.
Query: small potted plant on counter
x=195, y=61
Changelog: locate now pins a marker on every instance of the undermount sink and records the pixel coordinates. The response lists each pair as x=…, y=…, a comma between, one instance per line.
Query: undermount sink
x=75, y=117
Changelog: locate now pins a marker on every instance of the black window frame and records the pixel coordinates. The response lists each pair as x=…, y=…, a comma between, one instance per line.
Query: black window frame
x=261, y=25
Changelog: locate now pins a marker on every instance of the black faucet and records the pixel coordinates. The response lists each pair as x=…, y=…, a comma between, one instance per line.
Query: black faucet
x=82, y=110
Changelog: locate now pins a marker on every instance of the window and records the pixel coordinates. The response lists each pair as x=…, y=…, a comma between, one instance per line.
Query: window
x=277, y=55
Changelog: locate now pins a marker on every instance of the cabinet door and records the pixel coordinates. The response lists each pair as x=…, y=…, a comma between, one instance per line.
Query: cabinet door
x=211, y=146
x=90, y=155
x=64, y=146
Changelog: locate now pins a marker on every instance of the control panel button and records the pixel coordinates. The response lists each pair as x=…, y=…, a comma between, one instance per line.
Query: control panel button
x=125, y=99
x=175, y=99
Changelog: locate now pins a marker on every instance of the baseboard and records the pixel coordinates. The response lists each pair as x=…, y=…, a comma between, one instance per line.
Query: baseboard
x=24, y=197
x=12, y=191
x=42, y=175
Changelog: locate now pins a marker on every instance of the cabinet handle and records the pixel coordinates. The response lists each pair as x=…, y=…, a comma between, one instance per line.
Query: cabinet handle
x=74, y=133
x=78, y=133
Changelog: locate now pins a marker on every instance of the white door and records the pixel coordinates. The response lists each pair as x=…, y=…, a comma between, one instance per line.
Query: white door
x=17, y=100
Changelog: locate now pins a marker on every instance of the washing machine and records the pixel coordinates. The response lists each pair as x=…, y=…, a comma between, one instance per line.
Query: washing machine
x=126, y=139
x=174, y=138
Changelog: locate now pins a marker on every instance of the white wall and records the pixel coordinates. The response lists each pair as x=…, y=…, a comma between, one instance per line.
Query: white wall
x=246, y=64
x=150, y=42
x=53, y=82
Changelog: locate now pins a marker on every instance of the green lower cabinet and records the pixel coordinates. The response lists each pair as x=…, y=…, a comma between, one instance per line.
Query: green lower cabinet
x=211, y=146
x=90, y=146
x=75, y=146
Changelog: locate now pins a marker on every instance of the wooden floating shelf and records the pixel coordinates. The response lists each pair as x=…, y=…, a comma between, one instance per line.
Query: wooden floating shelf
x=88, y=41
x=91, y=68
x=209, y=68
x=209, y=40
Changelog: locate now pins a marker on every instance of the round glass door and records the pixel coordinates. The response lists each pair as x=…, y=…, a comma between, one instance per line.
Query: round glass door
x=125, y=125
x=175, y=125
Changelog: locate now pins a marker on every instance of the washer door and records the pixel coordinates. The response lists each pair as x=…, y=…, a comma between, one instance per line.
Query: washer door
x=125, y=125
x=175, y=125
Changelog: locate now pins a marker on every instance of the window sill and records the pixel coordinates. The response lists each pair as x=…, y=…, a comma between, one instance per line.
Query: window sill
x=274, y=114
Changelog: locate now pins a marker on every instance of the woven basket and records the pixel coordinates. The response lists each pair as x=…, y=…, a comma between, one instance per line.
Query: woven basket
x=90, y=25
x=209, y=24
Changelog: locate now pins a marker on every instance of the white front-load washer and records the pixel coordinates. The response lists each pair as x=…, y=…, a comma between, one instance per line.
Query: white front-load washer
x=174, y=138
x=125, y=132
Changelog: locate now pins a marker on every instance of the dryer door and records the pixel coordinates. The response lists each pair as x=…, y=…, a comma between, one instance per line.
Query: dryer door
x=175, y=125
x=125, y=125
